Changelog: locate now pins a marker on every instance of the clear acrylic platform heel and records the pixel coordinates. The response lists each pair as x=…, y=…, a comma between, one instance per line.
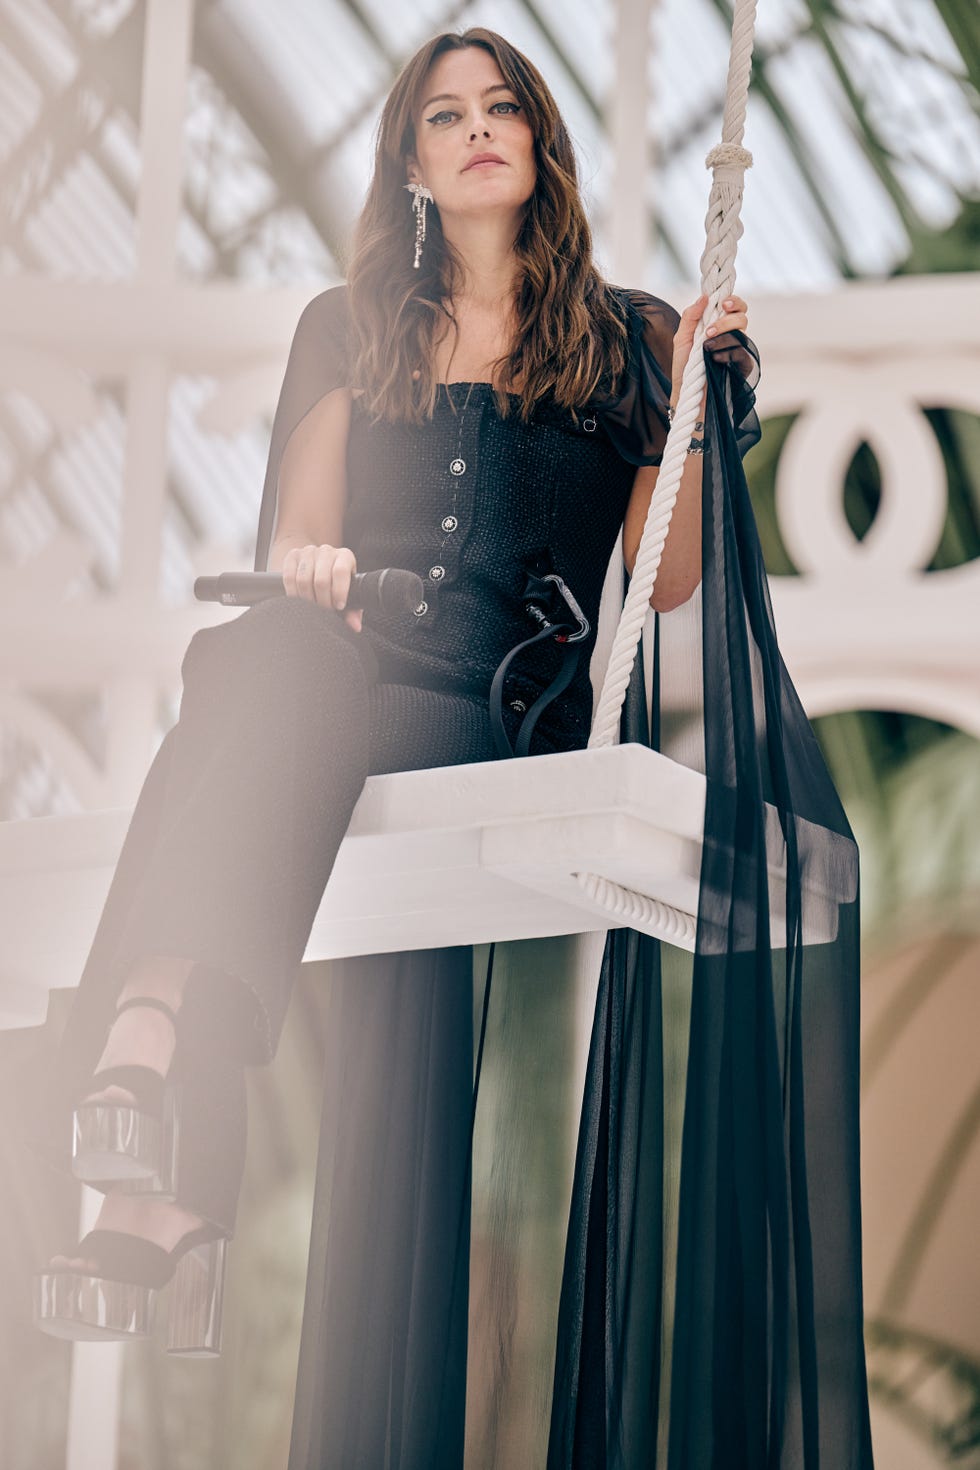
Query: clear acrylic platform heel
x=119, y=1303
x=133, y=1145
x=126, y=1147
x=196, y=1301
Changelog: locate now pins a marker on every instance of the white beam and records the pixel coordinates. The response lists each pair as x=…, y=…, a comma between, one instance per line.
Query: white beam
x=93, y=1415
x=207, y=328
x=629, y=135
x=95, y=1390
x=163, y=113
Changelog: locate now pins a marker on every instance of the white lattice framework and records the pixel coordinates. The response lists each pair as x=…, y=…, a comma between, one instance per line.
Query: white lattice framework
x=864, y=626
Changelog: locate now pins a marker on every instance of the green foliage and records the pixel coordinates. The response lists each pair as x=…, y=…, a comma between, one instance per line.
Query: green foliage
x=955, y=248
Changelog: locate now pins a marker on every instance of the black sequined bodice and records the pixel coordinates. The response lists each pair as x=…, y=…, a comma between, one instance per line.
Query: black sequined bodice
x=472, y=501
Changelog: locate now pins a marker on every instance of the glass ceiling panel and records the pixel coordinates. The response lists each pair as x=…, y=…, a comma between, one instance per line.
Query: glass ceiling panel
x=282, y=106
x=317, y=56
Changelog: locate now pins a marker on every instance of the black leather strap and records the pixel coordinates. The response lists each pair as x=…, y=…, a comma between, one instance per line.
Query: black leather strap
x=561, y=681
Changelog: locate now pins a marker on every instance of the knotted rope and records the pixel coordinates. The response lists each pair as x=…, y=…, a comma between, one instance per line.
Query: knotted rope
x=728, y=161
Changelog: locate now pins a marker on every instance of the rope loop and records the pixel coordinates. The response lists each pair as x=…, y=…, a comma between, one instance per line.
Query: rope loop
x=728, y=155
x=639, y=910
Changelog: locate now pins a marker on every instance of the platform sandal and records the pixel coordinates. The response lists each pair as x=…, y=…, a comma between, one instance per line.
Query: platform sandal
x=119, y=1304
x=130, y=1146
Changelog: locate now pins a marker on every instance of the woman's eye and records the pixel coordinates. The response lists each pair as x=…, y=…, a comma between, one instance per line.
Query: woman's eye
x=439, y=117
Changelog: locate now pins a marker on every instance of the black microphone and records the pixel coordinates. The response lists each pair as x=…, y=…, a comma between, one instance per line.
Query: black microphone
x=388, y=590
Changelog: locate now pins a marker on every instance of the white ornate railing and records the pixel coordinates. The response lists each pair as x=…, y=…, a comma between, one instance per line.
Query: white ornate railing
x=863, y=626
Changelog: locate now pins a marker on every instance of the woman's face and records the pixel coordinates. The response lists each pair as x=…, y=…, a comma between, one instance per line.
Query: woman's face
x=469, y=111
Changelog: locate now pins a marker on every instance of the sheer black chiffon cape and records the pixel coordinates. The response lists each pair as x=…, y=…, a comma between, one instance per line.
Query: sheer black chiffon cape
x=710, y=1325
x=762, y=1362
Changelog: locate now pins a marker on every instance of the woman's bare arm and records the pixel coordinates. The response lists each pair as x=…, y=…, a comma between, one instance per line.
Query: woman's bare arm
x=680, y=565
x=312, y=498
x=312, y=494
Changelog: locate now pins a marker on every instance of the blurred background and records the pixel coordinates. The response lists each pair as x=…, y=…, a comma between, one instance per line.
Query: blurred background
x=177, y=179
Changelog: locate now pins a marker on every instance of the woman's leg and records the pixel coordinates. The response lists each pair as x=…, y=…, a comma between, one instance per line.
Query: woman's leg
x=273, y=756
x=228, y=854
x=229, y=849
x=213, y=1113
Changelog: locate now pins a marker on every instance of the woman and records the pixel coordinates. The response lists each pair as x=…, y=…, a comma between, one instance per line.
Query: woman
x=477, y=405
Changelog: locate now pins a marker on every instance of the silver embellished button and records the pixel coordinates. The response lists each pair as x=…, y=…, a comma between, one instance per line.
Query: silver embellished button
x=437, y=573
x=421, y=610
x=457, y=467
x=518, y=705
x=449, y=523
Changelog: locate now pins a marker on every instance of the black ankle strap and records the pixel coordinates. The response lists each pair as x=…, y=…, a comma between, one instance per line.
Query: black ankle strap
x=147, y=1000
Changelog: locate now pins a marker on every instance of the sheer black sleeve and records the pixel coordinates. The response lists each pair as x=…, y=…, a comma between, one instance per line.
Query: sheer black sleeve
x=636, y=418
x=316, y=365
x=738, y=356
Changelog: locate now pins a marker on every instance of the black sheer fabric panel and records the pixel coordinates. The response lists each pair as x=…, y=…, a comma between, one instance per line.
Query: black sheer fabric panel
x=761, y=1360
x=613, y=1286
x=317, y=364
x=636, y=418
x=382, y=1377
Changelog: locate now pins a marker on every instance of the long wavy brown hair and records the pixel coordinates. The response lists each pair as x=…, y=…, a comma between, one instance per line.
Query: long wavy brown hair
x=570, y=340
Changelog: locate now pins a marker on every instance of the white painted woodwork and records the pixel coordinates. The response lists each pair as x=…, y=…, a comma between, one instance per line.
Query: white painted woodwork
x=863, y=627
x=461, y=855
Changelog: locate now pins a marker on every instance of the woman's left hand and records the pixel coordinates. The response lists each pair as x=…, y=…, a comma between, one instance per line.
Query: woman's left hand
x=734, y=317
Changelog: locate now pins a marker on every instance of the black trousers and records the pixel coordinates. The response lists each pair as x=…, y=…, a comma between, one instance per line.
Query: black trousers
x=283, y=716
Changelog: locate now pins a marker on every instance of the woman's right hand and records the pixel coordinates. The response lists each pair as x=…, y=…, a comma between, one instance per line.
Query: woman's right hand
x=322, y=574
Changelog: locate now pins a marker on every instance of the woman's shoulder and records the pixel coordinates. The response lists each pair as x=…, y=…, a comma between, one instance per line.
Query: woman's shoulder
x=319, y=351
x=327, y=311
x=635, y=414
x=651, y=324
x=653, y=310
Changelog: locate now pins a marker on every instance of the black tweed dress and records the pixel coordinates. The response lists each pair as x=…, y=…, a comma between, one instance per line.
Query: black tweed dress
x=472, y=501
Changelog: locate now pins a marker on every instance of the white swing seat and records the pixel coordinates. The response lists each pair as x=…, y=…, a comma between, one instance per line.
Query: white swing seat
x=455, y=855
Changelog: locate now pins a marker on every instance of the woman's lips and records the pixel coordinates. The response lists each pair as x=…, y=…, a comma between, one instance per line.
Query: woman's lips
x=486, y=163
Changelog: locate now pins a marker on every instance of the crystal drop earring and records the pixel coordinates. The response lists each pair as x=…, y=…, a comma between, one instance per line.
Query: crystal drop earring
x=420, y=197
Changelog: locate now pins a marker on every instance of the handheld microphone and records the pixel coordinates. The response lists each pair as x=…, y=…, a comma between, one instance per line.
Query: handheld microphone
x=388, y=590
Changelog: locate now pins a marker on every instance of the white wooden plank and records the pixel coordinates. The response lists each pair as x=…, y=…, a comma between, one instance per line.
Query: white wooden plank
x=455, y=855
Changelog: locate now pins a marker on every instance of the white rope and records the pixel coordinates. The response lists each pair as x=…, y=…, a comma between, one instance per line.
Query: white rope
x=728, y=162
x=638, y=910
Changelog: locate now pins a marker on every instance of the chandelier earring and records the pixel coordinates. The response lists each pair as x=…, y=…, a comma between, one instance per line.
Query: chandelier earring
x=421, y=196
